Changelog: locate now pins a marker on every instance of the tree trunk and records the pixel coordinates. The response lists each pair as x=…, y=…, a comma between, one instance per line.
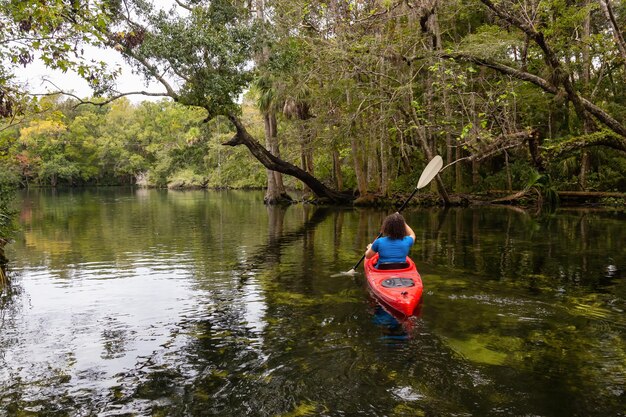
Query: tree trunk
x=307, y=154
x=619, y=39
x=584, y=169
x=475, y=176
x=275, y=192
x=269, y=161
x=449, y=141
x=384, y=168
x=429, y=155
x=429, y=27
x=373, y=174
x=358, y=166
x=458, y=173
x=272, y=193
x=359, y=172
x=338, y=177
x=586, y=77
x=509, y=182
x=275, y=150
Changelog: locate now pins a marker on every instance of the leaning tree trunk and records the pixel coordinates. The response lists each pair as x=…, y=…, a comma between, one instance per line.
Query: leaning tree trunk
x=269, y=161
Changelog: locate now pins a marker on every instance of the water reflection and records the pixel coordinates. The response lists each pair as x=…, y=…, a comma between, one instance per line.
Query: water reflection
x=210, y=303
x=392, y=327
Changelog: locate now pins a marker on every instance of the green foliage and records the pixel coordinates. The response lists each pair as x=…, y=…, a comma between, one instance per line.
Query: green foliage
x=161, y=144
x=366, y=85
x=613, y=201
x=210, y=48
x=491, y=41
x=520, y=170
x=186, y=178
x=544, y=184
x=54, y=32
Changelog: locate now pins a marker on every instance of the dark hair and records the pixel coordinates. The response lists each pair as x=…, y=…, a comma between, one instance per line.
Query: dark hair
x=394, y=226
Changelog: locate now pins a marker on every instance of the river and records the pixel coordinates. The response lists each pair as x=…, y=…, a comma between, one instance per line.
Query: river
x=144, y=302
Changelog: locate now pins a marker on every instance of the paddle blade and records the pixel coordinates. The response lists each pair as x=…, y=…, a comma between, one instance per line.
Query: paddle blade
x=432, y=169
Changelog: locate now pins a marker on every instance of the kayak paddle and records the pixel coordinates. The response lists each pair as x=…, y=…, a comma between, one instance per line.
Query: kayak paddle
x=431, y=170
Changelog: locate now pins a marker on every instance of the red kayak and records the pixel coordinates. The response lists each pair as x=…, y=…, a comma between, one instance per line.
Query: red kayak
x=400, y=289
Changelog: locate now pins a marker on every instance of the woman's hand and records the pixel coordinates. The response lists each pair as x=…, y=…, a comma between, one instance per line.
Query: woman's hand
x=369, y=252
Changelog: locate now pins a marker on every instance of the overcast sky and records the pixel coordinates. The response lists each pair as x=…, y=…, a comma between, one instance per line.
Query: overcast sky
x=36, y=74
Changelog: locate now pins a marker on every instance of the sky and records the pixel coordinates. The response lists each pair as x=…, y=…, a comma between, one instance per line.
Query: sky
x=36, y=74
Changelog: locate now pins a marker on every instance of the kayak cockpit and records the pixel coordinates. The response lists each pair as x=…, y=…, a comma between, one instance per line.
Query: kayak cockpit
x=387, y=266
x=397, y=282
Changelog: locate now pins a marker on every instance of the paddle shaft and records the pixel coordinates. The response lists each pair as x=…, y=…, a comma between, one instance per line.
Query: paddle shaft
x=381, y=233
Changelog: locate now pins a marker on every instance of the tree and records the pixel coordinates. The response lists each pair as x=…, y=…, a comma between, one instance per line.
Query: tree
x=207, y=51
x=55, y=32
x=557, y=78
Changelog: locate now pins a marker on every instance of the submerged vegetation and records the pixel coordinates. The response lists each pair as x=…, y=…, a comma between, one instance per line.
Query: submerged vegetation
x=212, y=303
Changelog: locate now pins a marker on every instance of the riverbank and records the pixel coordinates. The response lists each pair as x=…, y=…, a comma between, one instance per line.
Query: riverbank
x=522, y=198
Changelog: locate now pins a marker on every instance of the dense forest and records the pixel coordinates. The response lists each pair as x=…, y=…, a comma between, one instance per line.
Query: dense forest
x=156, y=144
x=341, y=99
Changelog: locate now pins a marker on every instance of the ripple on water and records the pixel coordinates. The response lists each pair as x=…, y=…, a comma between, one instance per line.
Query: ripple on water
x=407, y=394
x=94, y=325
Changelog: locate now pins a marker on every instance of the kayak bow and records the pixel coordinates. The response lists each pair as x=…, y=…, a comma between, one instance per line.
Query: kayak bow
x=399, y=289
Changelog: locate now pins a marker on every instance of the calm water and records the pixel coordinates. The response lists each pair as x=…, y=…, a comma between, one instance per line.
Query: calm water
x=134, y=302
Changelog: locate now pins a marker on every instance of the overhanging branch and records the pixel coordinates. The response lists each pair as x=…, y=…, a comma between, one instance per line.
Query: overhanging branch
x=108, y=100
x=605, y=138
x=544, y=84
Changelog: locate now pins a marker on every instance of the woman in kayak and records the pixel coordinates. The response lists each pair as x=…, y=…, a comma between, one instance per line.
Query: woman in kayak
x=395, y=243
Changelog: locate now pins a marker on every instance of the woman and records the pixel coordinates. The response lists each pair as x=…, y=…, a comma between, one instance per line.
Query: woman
x=394, y=245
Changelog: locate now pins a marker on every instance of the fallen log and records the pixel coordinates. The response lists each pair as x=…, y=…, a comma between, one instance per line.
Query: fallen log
x=580, y=196
x=513, y=197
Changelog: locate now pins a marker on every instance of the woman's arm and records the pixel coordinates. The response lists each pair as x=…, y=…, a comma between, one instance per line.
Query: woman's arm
x=370, y=252
x=409, y=231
